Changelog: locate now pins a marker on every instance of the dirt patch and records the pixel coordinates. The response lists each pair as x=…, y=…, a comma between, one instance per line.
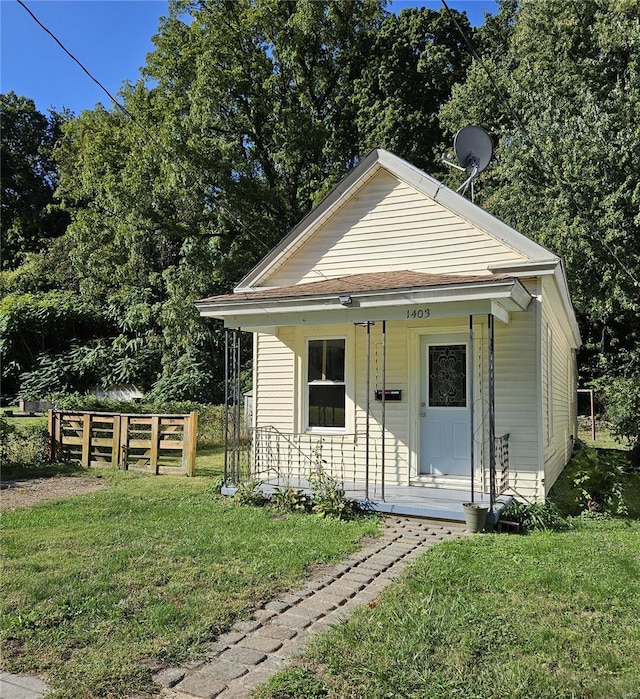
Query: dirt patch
x=27, y=492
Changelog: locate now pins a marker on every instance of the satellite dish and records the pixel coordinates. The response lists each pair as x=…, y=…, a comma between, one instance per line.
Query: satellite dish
x=473, y=149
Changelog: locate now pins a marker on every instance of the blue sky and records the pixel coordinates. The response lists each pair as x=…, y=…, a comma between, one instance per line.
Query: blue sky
x=110, y=37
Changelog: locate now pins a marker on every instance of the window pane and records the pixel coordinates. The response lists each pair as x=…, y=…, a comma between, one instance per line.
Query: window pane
x=334, y=370
x=316, y=352
x=447, y=376
x=326, y=406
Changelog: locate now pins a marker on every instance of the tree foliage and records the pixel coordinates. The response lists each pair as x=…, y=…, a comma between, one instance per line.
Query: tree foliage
x=246, y=114
x=567, y=129
x=28, y=178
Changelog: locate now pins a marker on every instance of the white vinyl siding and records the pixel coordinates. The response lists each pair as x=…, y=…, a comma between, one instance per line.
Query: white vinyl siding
x=516, y=398
x=274, y=380
x=558, y=385
x=388, y=225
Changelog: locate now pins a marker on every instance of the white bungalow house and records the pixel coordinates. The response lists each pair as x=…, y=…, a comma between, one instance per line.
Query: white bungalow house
x=414, y=346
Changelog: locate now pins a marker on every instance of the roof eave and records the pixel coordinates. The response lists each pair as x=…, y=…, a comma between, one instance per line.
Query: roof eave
x=509, y=292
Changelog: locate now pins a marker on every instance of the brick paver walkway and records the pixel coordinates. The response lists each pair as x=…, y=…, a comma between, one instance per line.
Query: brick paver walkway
x=254, y=650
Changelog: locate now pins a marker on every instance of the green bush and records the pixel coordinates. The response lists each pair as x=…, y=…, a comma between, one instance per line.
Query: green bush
x=621, y=397
x=534, y=516
x=290, y=499
x=26, y=446
x=598, y=477
x=249, y=493
x=329, y=499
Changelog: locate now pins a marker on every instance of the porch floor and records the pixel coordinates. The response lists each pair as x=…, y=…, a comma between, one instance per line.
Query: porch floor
x=411, y=501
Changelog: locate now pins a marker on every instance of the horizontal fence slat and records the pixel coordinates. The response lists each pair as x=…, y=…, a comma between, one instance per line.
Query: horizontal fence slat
x=101, y=442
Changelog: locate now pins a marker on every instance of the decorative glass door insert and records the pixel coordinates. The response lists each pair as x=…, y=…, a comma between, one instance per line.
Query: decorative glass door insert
x=447, y=376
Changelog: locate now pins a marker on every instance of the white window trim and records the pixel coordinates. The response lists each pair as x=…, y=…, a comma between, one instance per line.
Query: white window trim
x=317, y=429
x=304, y=335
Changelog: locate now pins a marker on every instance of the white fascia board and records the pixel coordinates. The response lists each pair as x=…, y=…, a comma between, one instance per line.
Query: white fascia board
x=396, y=304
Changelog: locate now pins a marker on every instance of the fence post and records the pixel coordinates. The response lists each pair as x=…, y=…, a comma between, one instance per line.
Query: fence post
x=153, y=452
x=190, y=443
x=115, y=441
x=86, y=439
x=124, y=442
x=52, y=436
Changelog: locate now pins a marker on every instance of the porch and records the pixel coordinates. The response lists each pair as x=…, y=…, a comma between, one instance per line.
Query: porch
x=277, y=460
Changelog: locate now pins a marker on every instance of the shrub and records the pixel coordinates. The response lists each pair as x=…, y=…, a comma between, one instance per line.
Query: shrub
x=622, y=409
x=26, y=446
x=534, y=516
x=598, y=477
x=249, y=493
x=290, y=499
x=329, y=497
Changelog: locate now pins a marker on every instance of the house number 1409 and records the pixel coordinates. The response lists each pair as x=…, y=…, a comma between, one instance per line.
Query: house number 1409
x=418, y=313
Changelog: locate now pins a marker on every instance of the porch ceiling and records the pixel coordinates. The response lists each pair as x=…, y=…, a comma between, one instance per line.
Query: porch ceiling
x=376, y=296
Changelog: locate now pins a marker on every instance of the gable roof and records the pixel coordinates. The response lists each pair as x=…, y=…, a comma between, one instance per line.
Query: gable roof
x=428, y=186
x=529, y=259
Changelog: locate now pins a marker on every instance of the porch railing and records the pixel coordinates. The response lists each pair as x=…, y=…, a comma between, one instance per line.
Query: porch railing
x=502, y=464
x=289, y=458
x=269, y=455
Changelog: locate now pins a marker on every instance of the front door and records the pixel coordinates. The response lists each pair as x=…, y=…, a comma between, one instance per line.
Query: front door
x=445, y=415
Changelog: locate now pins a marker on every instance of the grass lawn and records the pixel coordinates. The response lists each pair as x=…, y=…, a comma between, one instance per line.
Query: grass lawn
x=549, y=615
x=100, y=590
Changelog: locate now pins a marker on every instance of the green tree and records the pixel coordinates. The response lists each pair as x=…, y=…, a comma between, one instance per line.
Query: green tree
x=416, y=57
x=28, y=178
x=566, y=168
x=246, y=114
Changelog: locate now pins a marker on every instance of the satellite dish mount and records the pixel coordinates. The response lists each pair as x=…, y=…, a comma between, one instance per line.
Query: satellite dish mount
x=474, y=150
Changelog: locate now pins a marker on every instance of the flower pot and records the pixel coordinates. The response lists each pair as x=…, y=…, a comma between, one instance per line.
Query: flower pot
x=475, y=516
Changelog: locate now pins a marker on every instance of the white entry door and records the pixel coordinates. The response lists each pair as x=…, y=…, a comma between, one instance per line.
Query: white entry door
x=445, y=415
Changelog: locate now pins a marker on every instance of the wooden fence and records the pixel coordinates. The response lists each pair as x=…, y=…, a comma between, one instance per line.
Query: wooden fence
x=159, y=444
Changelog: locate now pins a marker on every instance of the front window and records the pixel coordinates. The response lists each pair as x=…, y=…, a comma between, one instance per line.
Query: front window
x=325, y=383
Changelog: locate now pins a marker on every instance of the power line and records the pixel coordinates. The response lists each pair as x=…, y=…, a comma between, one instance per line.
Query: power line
x=533, y=143
x=135, y=121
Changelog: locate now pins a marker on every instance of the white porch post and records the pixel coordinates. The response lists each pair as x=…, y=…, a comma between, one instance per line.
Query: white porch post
x=366, y=461
x=226, y=406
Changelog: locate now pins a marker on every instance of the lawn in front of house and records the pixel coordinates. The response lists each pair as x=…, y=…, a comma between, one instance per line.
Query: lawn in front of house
x=547, y=615
x=101, y=590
